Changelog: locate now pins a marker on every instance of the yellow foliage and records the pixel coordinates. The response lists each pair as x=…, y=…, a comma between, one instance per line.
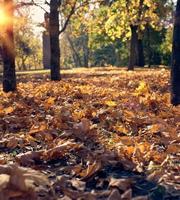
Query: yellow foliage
x=111, y=103
x=142, y=89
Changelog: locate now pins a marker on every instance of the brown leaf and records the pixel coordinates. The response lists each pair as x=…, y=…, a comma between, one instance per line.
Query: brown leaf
x=19, y=182
x=79, y=185
x=173, y=148
x=83, y=126
x=29, y=158
x=8, y=110
x=91, y=170
x=121, y=184
x=127, y=195
x=155, y=176
x=38, y=128
x=4, y=180
x=12, y=143
x=60, y=150
x=2, y=160
x=114, y=195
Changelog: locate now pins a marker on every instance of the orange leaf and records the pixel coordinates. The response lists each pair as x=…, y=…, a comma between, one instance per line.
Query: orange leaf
x=8, y=110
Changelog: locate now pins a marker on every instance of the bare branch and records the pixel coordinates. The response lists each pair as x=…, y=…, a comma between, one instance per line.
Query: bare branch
x=69, y=17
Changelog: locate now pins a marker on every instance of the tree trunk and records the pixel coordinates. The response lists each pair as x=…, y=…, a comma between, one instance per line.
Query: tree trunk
x=8, y=53
x=86, y=50
x=46, y=50
x=54, y=39
x=140, y=54
x=149, y=46
x=76, y=57
x=175, y=70
x=133, y=48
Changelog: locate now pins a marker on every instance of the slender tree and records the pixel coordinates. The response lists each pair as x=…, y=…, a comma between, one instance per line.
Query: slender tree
x=8, y=53
x=56, y=8
x=175, y=70
x=54, y=39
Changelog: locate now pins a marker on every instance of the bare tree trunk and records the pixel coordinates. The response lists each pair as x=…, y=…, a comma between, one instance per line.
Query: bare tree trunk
x=140, y=54
x=9, y=76
x=175, y=70
x=85, y=50
x=149, y=46
x=76, y=58
x=54, y=39
x=133, y=48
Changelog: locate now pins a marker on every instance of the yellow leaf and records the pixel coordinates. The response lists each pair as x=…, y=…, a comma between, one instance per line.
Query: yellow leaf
x=111, y=103
x=50, y=102
x=142, y=89
x=121, y=129
x=9, y=110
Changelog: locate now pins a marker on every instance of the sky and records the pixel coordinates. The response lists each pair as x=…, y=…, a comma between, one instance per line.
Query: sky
x=38, y=17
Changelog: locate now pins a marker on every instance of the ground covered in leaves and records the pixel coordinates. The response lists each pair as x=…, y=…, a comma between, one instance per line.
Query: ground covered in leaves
x=101, y=133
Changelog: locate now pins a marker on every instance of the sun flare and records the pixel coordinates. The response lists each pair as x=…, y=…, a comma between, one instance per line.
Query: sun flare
x=3, y=17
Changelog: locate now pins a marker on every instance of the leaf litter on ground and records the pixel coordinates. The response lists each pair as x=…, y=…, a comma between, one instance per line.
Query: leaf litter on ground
x=97, y=134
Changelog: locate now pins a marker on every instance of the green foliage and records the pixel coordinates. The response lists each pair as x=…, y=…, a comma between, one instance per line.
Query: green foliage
x=123, y=14
x=166, y=47
x=107, y=26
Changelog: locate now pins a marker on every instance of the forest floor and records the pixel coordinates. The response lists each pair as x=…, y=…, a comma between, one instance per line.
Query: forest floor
x=101, y=133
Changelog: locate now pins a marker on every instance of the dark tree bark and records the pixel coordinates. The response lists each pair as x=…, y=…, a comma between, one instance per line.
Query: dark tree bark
x=140, y=50
x=133, y=48
x=8, y=53
x=140, y=54
x=175, y=70
x=136, y=57
x=149, y=46
x=54, y=39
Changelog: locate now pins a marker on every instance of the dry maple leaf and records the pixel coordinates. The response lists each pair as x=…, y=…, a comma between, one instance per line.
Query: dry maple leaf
x=8, y=110
x=60, y=150
x=12, y=143
x=79, y=185
x=114, y=195
x=83, y=126
x=122, y=184
x=20, y=182
x=127, y=195
x=91, y=170
x=29, y=158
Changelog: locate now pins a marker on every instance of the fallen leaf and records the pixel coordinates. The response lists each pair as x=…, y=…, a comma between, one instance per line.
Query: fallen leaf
x=12, y=143
x=79, y=185
x=121, y=184
x=127, y=195
x=111, y=103
x=29, y=158
x=91, y=170
x=114, y=195
x=8, y=110
x=60, y=150
x=18, y=182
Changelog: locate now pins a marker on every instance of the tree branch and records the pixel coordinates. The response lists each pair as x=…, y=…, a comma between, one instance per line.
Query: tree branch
x=68, y=17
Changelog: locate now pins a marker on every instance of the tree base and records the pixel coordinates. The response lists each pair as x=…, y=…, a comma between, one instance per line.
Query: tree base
x=9, y=86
